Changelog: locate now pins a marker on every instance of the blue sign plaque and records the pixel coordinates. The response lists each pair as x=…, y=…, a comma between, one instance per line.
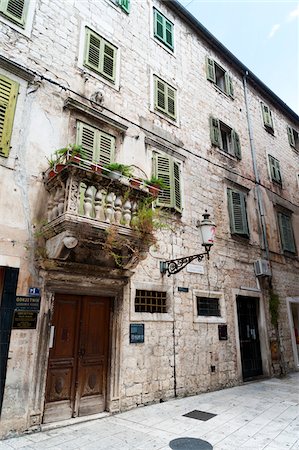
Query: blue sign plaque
x=136, y=333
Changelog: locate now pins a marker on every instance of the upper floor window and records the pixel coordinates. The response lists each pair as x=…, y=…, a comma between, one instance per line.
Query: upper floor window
x=163, y=29
x=100, y=55
x=168, y=169
x=219, y=76
x=99, y=147
x=237, y=212
x=8, y=98
x=286, y=233
x=125, y=5
x=225, y=138
x=274, y=169
x=14, y=10
x=165, y=98
x=267, y=117
x=293, y=137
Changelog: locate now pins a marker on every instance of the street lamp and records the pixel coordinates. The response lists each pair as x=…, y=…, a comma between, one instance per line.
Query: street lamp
x=207, y=228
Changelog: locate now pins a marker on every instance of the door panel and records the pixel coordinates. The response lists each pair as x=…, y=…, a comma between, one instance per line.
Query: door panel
x=76, y=382
x=249, y=337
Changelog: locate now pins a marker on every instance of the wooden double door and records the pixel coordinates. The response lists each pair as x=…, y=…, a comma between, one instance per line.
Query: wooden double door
x=78, y=359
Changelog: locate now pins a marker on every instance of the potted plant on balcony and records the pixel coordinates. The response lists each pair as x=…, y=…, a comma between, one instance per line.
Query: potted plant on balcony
x=73, y=153
x=154, y=185
x=116, y=170
x=135, y=182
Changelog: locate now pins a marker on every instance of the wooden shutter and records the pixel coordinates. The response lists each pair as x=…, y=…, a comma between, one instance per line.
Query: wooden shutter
x=108, y=60
x=267, y=116
x=286, y=233
x=275, y=169
x=125, y=5
x=105, y=148
x=210, y=69
x=177, y=194
x=87, y=137
x=171, y=102
x=236, y=144
x=159, y=25
x=291, y=136
x=237, y=212
x=14, y=10
x=215, y=132
x=163, y=170
x=229, y=88
x=168, y=33
x=8, y=98
x=93, y=50
x=160, y=95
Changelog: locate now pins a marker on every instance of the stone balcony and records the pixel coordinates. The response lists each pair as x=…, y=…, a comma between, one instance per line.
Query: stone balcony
x=90, y=219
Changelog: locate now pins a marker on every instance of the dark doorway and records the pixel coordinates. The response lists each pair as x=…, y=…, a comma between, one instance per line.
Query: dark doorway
x=78, y=359
x=8, y=287
x=247, y=308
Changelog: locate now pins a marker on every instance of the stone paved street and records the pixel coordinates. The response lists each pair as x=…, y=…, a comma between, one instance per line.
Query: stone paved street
x=255, y=416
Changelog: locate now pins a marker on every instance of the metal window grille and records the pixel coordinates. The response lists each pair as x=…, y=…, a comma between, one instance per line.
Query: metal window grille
x=150, y=301
x=207, y=306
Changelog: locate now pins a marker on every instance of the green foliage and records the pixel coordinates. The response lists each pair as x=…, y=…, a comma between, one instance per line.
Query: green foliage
x=60, y=156
x=126, y=171
x=274, y=307
x=156, y=182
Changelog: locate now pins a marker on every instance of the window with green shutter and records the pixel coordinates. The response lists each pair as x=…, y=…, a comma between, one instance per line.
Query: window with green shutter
x=286, y=233
x=293, y=137
x=217, y=75
x=267, y=117
x=98, y=146
x=165, y=98
x=14, y=10
x=237, y=212
x=163, y=29
x=274, y=169
x=168, y=169
x=225, y=137
x=100, y=55
x=8, y=98
x=125, y=5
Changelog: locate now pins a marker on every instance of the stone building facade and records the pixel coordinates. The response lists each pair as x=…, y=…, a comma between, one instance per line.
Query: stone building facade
x=146, y=85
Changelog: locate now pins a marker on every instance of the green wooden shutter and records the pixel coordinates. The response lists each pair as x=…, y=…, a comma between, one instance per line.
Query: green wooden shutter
x=210, y=69
x=160, y=95
x=93, y=46
x=291, y=136
x=267, y=116
x=236, y=144
x=108, y=60
x=169, y=33
x=125, y=5
x=215, y=132
x=171, y=102
x=286, y=233
x=237, y=212
x=275, y=169
x=163, y=170
x=8, y=98
x=14, y=10
x=159, y=25
x=229, y=88
x=177, y=187
x=105, y=148
x=87, y=137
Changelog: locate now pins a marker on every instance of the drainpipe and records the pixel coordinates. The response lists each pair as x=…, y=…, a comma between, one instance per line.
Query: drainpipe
x=256, y=173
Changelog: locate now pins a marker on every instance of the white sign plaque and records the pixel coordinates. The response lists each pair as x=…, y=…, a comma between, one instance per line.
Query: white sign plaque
x=195, y=268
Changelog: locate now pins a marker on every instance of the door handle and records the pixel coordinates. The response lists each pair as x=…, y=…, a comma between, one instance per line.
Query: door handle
x=81, y=352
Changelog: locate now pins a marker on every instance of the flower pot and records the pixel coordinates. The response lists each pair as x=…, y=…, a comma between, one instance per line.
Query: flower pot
x=114, y=175
x=153, y=190
x=135, y=182
x=51, y=174
x=96, y=168
x=59, y=167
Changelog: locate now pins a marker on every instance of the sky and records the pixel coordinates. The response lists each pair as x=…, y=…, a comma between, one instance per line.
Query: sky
x=262, y=34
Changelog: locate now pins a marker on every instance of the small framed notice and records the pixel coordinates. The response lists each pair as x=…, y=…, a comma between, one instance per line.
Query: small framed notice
x=136, y=333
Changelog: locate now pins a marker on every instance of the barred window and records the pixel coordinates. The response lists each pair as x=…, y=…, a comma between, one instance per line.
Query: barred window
x=150, y=301
x=207, y=306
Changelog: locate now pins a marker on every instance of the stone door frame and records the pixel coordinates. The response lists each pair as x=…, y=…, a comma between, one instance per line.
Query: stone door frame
x=289, y=301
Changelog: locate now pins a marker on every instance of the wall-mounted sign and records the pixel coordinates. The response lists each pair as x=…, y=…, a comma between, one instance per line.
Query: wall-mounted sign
x=136, y=333
x=27, y=303
x=34, y=291
x=183, y=289
x=222, y=332
x=24, y=320
x=195, y=268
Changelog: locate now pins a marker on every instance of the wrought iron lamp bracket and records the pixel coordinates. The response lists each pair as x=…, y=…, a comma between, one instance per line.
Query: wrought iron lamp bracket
x=173, y=266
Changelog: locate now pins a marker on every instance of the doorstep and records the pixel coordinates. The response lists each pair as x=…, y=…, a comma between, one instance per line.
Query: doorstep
x=73, y=421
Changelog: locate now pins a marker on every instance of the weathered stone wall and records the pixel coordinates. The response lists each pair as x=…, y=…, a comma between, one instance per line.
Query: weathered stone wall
x=178, y=351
